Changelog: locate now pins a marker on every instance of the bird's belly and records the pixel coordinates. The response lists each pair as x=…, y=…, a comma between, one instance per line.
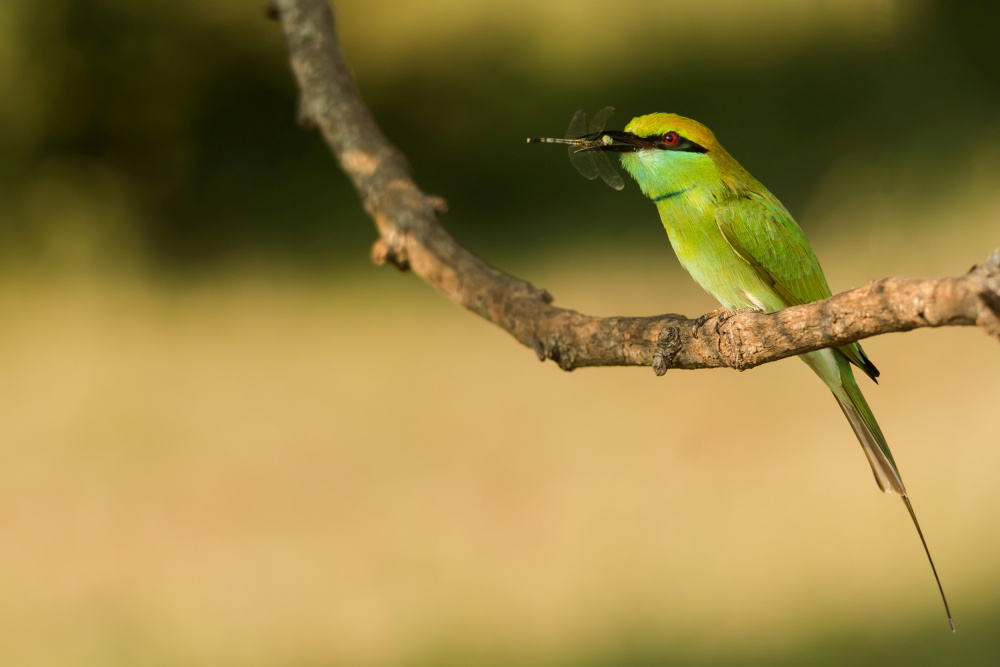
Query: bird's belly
x=714, y=265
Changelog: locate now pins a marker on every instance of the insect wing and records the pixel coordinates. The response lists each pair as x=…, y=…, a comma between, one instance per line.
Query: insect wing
x=591, y=163
x=584, y=162
x=607, y=171
x=601, y=119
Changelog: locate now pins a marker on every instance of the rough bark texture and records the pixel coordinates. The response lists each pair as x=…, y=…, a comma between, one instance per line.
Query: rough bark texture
x=412, y=239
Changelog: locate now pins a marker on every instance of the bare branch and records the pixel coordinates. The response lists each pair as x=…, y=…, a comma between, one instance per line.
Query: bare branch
x=412, y=238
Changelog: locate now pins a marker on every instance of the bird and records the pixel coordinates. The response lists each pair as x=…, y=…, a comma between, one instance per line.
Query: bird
x=742, y=246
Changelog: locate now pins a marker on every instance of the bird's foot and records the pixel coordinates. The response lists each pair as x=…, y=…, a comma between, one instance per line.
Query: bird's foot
x=704, y=318
x=726, y=314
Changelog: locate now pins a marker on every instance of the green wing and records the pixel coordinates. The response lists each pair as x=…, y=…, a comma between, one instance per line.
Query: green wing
x=765, y=235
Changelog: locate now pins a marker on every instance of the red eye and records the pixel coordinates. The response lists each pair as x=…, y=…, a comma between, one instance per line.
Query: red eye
x=670, y=138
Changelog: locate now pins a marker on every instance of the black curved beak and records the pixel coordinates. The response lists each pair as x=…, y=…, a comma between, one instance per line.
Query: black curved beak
x=626, y=142
x=618, y=142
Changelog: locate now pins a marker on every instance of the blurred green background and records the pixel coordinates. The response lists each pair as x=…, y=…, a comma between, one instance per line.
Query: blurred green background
x=227, y=439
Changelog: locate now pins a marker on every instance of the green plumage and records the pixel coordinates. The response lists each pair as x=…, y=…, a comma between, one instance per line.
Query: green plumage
x=742, y=246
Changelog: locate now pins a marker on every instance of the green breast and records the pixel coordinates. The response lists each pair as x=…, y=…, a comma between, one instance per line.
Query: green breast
x=689, y=219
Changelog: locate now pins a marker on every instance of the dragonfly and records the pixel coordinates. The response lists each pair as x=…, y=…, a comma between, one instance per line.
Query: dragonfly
x=583, y=153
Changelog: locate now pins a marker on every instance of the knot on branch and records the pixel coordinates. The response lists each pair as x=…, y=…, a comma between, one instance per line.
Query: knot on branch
x=989, y=315
x=391, y=249
x=668, y=344
x=438, y=204
x=734, y=349
x=553, y=348
x=991, y=266
x=303, y=118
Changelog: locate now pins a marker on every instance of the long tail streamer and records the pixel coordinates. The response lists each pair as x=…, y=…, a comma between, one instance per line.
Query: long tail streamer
x=909, y=507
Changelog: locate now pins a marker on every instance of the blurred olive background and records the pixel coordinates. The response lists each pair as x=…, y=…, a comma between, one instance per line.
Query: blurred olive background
x=227, y=439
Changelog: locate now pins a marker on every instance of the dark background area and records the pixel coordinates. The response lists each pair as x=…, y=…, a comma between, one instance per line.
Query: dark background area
x=191, y=124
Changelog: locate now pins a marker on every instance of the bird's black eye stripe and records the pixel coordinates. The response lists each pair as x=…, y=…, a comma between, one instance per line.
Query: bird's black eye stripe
x=671, y=141
x=685, y=144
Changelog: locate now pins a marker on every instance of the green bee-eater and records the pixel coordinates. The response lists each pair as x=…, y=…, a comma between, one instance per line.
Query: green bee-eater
x=743, y=247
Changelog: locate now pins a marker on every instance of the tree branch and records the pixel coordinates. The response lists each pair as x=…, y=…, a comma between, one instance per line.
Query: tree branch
x=412, y=238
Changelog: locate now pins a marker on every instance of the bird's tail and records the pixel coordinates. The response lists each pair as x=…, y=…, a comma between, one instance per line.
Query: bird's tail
x=835, y=370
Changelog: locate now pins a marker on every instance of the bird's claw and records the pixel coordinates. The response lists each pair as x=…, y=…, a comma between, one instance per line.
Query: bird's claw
x=722, y=315
x=726, y=314
x=698, y=323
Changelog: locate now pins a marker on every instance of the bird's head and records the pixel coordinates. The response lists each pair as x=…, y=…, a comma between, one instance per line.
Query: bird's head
x=665, y=152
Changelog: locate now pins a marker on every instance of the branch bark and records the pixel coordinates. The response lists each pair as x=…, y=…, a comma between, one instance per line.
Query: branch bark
x=413, y=239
